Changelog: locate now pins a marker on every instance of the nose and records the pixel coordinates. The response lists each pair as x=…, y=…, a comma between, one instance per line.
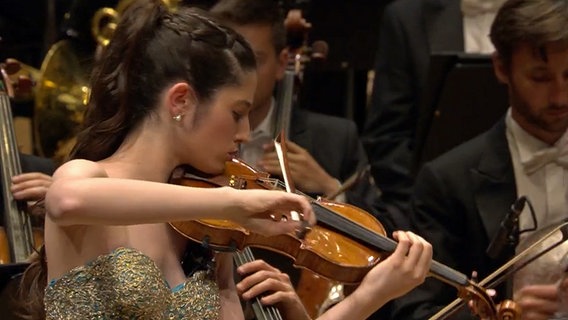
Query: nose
x=243, y=130
x=559, y=93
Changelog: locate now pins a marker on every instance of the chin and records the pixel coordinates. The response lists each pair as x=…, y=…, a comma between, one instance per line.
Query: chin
x=214, y=167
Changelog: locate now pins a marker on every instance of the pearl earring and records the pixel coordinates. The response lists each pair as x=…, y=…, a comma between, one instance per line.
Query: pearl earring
x=177, y=117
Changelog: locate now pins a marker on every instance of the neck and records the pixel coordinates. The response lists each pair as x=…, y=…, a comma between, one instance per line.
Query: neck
x=136, y=157
x=258, y=114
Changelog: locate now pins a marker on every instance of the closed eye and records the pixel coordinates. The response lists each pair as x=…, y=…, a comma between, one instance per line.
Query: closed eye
x=237, y=116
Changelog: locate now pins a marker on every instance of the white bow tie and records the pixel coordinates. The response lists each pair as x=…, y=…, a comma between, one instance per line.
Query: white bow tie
x=546, y=156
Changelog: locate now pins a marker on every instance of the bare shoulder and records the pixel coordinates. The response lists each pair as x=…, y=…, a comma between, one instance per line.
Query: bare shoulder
x=80, y=168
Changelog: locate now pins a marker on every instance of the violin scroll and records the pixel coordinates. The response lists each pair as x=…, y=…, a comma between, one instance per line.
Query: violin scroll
x=479, y=299
x=483, y=306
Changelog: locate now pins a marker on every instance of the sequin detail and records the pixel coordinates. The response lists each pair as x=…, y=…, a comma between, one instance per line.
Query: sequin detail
x=126, y=284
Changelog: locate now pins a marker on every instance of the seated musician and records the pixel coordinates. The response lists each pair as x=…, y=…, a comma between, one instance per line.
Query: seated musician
x=323, y=151
x=461, y=198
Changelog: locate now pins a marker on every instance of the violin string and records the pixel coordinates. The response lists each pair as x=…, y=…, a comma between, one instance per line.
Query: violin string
x=355, y=230
x=366, y=236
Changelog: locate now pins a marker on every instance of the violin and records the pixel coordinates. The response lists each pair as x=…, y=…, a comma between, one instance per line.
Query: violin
x=344, y=245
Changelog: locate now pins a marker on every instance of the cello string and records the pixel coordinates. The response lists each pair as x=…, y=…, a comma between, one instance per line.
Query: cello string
x=272, y=310
x=261, y=312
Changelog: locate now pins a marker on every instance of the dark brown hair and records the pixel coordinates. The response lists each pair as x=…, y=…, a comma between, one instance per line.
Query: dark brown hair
x=247, y=12
x=531, y=22
x=151, y=48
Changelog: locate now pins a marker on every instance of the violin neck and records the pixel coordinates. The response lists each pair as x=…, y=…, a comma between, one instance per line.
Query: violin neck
x=261, y=312
x=380, y=243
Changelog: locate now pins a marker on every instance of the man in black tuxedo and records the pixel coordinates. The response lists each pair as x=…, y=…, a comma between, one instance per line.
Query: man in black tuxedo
x=323, y=151
x=410, y=31
x=461, y=197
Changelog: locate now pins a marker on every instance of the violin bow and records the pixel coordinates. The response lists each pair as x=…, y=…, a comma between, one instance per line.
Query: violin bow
x=282, y=153
x=350, y=182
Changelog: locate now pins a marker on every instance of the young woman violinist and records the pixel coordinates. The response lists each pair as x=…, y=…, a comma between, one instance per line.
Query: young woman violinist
x=171, y=88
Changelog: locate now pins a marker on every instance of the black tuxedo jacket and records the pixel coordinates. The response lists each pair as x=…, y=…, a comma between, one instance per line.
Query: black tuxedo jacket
x=334, y=143
x=458, y=203
x=410, y=31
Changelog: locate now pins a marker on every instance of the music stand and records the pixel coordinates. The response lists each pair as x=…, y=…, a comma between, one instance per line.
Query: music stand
x=461, y=99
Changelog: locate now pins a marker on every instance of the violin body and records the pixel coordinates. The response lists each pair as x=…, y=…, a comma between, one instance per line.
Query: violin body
x=323, y=251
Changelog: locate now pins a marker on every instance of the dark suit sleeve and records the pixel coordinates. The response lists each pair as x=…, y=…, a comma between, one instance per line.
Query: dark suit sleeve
x=364, y=194
x=437, y=216
x=391, y=122
x=32, y=163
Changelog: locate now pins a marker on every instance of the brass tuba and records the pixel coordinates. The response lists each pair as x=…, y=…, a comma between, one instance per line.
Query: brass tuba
x=62, y=90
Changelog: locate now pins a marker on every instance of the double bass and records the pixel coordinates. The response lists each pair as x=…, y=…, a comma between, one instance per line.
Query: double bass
x=16, y=238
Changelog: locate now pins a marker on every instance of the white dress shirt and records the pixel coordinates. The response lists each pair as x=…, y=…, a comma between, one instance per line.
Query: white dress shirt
x=540, y=174
x=252, y=151
x=478, y=15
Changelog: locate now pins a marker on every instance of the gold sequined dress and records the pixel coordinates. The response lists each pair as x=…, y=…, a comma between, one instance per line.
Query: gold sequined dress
x=126, y=284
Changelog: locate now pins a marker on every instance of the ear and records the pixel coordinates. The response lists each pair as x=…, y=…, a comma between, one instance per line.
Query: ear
x=499, y=68
x=282, y=63
x=181, y=99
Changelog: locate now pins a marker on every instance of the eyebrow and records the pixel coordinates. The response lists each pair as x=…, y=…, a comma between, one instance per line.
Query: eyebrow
x=539, y=68
x=246, y=103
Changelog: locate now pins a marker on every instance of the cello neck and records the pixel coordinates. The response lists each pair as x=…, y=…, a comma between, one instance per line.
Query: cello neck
x=16, y=220
x=261, y=312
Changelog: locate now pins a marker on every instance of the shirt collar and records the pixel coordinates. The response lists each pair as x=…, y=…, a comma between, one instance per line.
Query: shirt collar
x=526, y=143
x=266, y=126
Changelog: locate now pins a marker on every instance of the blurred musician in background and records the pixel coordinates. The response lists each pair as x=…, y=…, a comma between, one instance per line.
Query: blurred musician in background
x=410, y=30
x=323, y=151
x=461, y=198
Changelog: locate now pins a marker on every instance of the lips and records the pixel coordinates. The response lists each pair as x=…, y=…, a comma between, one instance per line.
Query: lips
x=232, y=155
x=558, y=112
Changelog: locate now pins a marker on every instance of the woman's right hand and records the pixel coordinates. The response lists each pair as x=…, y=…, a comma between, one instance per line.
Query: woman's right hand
x=271, y=212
